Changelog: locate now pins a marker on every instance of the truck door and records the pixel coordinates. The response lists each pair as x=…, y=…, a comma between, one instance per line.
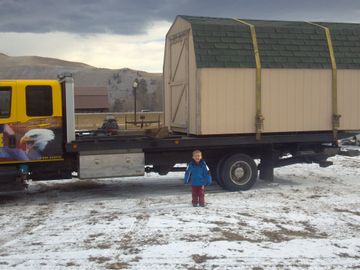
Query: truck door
x=34, y=130
x=7, y=121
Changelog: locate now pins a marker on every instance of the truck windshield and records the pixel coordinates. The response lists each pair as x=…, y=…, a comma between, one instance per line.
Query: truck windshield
x=5, y=102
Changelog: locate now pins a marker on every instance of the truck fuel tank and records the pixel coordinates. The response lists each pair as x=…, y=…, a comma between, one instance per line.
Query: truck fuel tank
x=111, y=163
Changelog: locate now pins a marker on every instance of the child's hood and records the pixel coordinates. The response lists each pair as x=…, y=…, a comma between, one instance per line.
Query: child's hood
x=193, y=163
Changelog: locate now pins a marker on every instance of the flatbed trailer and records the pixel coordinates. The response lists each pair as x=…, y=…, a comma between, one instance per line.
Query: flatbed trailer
x=39, y=142
x=230, y=158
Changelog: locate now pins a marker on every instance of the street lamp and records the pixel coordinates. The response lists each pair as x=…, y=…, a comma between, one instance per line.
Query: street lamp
x=135, y=86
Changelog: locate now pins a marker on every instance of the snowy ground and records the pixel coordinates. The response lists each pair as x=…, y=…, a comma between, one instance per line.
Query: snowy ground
x=308, y=218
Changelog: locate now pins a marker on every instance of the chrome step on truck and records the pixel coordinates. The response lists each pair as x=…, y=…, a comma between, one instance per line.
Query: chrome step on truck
x=111, y=163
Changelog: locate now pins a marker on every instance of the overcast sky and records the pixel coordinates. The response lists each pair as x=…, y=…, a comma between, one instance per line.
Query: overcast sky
x=130, y=33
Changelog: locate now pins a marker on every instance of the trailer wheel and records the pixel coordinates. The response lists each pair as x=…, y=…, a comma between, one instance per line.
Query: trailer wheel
x=162, y=170
x=215, y=168
x=219, y=166
x=239, y=172
x=212, y=167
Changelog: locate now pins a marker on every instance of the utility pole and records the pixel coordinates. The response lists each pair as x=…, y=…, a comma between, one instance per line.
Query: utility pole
x=135, y=86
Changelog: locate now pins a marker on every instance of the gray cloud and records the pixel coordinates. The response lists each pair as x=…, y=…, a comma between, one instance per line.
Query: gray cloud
x=133, y=16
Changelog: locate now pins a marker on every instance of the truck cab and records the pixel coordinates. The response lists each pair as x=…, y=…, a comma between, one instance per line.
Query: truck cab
x=33, y=129
x=31, y=122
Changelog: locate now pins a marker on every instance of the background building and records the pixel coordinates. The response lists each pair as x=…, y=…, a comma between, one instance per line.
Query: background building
x=91, y=99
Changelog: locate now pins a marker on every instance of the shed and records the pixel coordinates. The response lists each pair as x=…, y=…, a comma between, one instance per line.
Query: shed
x=91, y=99
x=304, y=77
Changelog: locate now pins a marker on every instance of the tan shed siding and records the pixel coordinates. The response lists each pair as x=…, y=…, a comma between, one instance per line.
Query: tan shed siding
x=293, y=100
x=179, y=26
x=349, y=99
x=193, y=97
x=227, y=100
x=166, y=75
x=296, y=100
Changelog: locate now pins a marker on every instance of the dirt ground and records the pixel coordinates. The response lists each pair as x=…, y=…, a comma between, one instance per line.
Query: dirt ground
x=308, y=218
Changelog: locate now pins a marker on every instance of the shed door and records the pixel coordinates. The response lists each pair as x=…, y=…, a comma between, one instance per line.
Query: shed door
x=179, y=81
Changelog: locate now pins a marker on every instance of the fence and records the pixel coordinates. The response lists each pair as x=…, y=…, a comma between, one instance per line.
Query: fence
x=90, y=121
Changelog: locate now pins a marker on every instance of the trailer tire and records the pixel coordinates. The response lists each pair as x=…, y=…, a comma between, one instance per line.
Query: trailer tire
x=162, y=170
x=219, y=166
x=212, y=168
x=239, y=172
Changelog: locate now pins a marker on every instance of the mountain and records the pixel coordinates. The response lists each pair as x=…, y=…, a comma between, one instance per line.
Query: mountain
x=117, y=81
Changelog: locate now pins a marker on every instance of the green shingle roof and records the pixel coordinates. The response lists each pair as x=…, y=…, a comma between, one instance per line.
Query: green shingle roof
x=225, y=42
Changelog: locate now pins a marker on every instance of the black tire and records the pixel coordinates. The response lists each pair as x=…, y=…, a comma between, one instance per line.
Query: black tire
x=219, y=177
x=162, y=169
x=12, y=185
x=239, y=172
x=212, y=167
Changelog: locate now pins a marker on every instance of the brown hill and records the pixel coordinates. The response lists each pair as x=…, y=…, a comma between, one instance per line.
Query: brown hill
x=11, y=61
x=117, y=81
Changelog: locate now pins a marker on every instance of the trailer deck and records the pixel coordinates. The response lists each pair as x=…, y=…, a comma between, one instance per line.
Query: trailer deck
x=173, y=142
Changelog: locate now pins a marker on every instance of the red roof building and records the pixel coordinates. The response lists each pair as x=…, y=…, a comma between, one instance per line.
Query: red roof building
x=91, y=99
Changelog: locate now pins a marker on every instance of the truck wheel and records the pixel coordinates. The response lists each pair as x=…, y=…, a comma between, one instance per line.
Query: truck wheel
x=239, y=172
x=13, y=185
x=219, y=166
x=212, y=167
x=162, y=170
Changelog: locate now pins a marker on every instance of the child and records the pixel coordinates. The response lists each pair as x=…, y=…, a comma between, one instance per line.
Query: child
x=198, y=173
